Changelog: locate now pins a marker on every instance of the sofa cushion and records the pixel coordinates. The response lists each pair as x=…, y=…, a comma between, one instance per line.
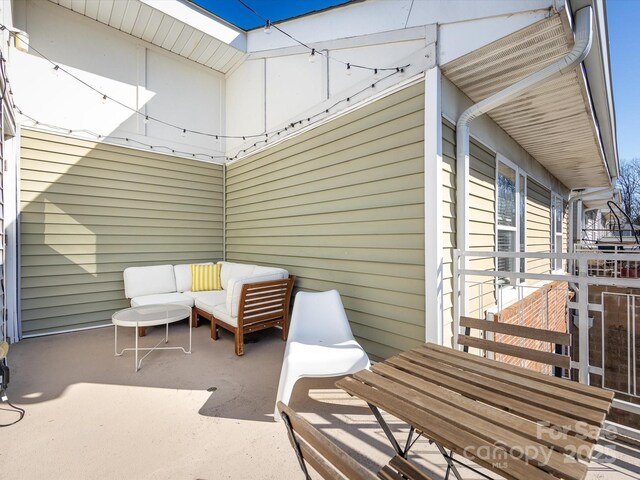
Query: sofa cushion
x=206, y=294
x=162, y=298
x=184, y=276
x=230, y=270
x=207, y=300
x=260, y=274
x=205, y=277
x=141, y=281
x=220, y=312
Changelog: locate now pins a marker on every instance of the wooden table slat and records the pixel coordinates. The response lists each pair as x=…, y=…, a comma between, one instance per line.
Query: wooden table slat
x=493, y=457
x=554, y=404
x=513, y=405
x=574, y=386
x=529, y=383
x=553, y=438
x=531, y=451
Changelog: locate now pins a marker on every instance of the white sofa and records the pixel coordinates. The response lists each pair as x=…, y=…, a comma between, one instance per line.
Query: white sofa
x=226, y=308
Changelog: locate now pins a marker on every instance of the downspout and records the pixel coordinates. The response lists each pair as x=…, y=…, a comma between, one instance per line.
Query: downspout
x=582, y=45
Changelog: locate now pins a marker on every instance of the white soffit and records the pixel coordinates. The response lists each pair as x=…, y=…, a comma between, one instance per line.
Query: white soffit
x=173, y=26
x=554, y=122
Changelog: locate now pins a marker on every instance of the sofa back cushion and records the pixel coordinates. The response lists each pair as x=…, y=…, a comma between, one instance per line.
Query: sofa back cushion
x=233, y=270
x=139, y=281
x=184, y=276
x=259, y=274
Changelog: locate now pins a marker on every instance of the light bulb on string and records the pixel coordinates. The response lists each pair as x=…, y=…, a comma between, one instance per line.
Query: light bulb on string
x=375, y=73
x=55, y=71
x=400, y=71
x=184, y=132
x=348, y=69
x=104, y=99
x=267, y=27
x=312, y=57
x=146, y=119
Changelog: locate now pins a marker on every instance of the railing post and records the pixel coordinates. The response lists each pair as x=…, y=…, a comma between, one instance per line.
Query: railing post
x=457, y=292
x=583, y=320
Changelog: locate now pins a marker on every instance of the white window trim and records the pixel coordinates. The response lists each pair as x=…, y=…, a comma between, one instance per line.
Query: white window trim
x=554, y=197
x=510, y=292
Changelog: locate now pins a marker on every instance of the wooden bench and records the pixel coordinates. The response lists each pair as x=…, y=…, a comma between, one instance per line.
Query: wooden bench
x=330, y=461
x=548, y=336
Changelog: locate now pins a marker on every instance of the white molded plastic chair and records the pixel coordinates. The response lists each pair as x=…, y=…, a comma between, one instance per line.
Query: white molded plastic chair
x=320, y=343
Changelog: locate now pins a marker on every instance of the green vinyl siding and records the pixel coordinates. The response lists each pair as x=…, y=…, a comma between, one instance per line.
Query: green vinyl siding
x=538, y=226
x=89, y=210
x=342, y=207
x=482, y=164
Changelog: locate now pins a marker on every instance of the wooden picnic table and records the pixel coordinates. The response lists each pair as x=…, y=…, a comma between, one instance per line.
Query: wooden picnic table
x=515, y=422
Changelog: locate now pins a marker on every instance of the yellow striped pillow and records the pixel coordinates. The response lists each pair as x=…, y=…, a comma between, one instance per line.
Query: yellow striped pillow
x=205, y=277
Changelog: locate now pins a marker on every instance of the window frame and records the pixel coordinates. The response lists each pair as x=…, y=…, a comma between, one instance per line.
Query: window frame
x=555, y=197
x=520, y=227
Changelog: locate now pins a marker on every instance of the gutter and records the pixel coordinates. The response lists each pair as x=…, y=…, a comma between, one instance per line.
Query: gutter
x=582, y=45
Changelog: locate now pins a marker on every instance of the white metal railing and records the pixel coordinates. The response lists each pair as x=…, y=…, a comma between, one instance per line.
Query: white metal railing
x=586, y=268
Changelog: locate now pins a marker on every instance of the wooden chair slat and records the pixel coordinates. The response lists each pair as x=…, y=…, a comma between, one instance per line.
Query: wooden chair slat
x=560, y=338
x=508, y=377
x=326, y=450
x=552, y=438
x=497, y=399
x=493, y=432
x=548, y=358
x=407, y=469
x=445, y=434
x=387, y=473
x=541, y=377
x=319, y=464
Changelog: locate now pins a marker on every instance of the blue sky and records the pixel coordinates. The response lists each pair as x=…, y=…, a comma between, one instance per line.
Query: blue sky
x=273, y=10
x=623, y=16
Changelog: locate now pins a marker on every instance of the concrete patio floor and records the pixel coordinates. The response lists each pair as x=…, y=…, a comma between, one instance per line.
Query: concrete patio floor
x=207, y=415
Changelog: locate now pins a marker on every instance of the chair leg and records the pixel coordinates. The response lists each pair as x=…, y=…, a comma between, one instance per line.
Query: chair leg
x=214, y=330
x=285, y=330
x=288, y=378
x=194, y=319
x=239, y=336
x=142, y=331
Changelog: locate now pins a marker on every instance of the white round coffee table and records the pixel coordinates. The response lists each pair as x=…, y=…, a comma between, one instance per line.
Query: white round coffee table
x=148, y=316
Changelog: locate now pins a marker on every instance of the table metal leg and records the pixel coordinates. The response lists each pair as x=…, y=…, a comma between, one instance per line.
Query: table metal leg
x=136, y=367
x=403, y=452
x=449, y=459
x=166, y=334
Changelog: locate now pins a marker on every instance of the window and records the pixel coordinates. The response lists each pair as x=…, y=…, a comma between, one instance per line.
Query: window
x=557, y=219
x=510, y=218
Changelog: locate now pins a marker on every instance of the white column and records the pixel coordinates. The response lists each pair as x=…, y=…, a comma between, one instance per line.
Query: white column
x=433, y=259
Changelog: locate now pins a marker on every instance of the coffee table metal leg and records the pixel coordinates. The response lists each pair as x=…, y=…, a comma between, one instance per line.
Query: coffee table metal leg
x=136, y=367
x=166, y=334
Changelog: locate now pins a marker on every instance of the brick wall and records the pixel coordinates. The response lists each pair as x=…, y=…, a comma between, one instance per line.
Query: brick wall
x=545, y=308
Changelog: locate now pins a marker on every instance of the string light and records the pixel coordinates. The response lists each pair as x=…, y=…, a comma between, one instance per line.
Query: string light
x=267, y=27
x=59, y=68
x=55, y=71
x=183, y=131
x=312, y=57
x=312, y=50
x=68, y=131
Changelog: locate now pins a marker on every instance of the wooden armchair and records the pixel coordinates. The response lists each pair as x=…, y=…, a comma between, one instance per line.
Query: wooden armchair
x=262, y=305
x=330, y=461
